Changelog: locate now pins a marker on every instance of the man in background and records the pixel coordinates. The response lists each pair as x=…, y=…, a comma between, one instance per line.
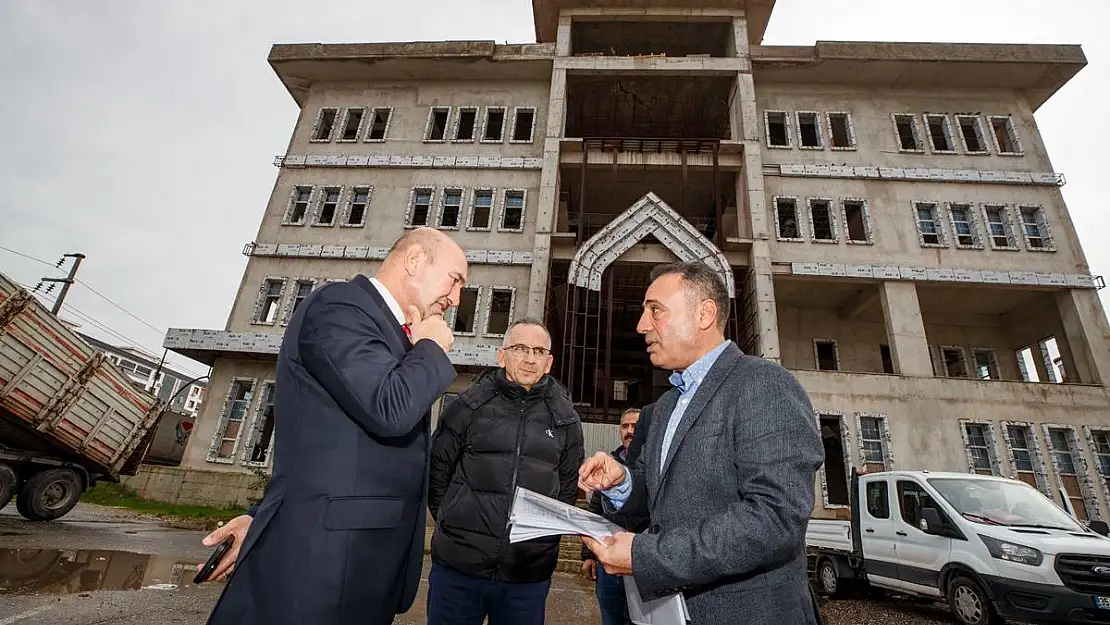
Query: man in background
x=515, y=426
x=610, y=588
x=338, y=538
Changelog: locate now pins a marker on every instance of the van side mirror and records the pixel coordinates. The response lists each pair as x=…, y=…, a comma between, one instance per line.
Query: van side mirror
x=1099, y=527
x=930, y=522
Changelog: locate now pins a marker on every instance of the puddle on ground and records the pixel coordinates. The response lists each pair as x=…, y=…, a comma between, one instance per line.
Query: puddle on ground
x=52, y=571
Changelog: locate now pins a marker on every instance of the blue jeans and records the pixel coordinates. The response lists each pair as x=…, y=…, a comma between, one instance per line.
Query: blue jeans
x=458, y=599
x=610, y=598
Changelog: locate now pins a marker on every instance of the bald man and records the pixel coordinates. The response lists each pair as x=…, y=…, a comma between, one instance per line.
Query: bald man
x=339, y=535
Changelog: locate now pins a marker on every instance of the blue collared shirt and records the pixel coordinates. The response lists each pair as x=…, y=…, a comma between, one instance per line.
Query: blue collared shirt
x=687, y=383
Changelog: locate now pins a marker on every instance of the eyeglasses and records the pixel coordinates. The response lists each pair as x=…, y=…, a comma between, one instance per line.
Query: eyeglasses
x=524, y=350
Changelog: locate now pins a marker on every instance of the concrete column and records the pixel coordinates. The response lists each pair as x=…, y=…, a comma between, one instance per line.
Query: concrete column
x=767, y=316
x=905, y=329
x=1087, y=334
x=562, y=39
x=548, y=197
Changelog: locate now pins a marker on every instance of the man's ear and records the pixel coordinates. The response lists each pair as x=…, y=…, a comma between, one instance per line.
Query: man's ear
x=707, y=314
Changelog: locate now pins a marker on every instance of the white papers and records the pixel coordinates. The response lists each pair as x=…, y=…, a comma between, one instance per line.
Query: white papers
x=534, y=516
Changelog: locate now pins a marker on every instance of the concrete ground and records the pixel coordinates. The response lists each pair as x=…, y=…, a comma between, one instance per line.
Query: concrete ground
x=100, y=566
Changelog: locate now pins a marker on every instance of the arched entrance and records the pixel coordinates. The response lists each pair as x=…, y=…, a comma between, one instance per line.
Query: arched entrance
x=601, y=359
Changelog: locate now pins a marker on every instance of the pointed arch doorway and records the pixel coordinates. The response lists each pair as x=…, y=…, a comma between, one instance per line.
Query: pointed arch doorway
x=598, y=301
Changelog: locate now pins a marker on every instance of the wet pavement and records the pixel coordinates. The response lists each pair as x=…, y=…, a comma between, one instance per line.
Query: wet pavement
x=100, y=566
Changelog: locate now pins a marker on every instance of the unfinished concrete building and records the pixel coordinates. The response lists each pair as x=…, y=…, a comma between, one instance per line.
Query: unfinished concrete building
x=885, y=215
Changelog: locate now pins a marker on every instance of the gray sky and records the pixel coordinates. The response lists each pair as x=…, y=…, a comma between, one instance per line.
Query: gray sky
x=143, y=133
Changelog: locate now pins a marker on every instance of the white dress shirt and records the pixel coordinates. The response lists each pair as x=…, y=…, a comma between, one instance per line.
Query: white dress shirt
x=390, y=301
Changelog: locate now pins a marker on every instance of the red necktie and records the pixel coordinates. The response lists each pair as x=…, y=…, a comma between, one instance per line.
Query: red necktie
x=408, y=332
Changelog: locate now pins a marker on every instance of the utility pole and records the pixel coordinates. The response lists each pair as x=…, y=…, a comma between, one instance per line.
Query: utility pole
x=66, y=282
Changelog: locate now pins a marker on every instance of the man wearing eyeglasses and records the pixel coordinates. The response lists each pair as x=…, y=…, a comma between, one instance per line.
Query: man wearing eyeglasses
x=515, y=426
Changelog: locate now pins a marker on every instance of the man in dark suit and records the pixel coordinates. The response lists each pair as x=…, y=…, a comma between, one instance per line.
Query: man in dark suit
x=339, y=535
x=727, y=470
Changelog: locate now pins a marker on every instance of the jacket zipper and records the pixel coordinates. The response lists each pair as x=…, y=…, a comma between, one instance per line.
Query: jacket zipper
x=512, y=488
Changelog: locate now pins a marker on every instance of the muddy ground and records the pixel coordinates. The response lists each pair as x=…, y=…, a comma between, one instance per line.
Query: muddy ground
x=100, y=566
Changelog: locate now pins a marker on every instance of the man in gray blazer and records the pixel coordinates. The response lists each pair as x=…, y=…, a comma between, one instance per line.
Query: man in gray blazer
x=726, y=473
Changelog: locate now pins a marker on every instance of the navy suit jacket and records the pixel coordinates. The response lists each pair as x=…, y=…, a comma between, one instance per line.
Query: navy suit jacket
x=339, y=535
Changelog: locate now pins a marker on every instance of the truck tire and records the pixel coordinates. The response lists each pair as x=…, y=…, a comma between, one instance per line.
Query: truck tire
x=828, y=577
x=50, y=494
x=970, y=603
x=8, y=484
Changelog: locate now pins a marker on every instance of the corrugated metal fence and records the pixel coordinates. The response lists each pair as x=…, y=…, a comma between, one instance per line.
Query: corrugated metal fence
x=600, y=437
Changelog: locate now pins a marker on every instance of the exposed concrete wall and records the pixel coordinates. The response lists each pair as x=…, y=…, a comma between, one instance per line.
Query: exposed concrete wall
x=196, y=487
x=923, y=415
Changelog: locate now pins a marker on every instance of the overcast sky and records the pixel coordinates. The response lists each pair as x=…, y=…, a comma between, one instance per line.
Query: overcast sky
x=142, y=133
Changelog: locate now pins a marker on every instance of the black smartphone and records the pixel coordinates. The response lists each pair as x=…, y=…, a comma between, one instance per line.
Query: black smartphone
x=214, y=560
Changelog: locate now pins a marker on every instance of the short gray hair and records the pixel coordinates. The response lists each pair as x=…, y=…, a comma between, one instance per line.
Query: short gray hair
x=524, y=321
x=705, y=281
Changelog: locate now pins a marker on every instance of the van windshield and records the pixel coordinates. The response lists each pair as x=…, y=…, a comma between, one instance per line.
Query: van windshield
x=1015, y=504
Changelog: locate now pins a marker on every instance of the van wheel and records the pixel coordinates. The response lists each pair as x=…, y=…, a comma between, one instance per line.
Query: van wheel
x=49, y=494
x=828, y=578
x=970, y=604
x=8, y=484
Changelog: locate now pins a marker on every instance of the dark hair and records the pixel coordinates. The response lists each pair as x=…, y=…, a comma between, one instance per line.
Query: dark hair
x=706, y=282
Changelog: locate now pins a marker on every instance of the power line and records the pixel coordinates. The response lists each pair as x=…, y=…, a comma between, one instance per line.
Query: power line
x=37, y=260
x=128, y=312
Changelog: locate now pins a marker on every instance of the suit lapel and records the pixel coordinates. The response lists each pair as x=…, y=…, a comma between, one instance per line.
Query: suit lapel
x=653, y=446
x=706, y=390
x=364, y=282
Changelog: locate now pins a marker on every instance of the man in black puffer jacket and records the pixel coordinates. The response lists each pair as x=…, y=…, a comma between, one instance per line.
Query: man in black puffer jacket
x=515, y=426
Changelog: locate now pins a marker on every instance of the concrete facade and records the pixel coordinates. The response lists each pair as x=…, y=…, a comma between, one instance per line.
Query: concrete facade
x=888, y=212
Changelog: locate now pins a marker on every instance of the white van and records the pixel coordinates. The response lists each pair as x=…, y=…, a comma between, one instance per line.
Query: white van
x=992, y=547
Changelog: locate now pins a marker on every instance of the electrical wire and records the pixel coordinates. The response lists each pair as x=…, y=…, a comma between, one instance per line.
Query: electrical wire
x=37, y=260
x=128, y=312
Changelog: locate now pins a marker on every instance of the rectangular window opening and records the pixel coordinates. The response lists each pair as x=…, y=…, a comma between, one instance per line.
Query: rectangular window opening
x=483, y=208
x=787, y=213
x=360, y=199
x=998, y=227
x=352, y=124
x=855, y=219
x=500, y=307
x=809, y=130
x=871, y=440
x=466, y=313
x=978, y=450
x=953, y=361
x=512, y=218
x=836, y=474
x=927, y=225
x=271, y=301
x=262, y=434
x=235, y=412
x=304, y=289
x=888, y=362
x=939, y=134
x=299, y=208
x=840, y=126
x=963, y=226
x=824, y=228
x=1032, y=226
x=986, y=365
x=452, y=208
x=826, y=355
x=379, y=124
x=1005, y=135
x=906, y=125
x=328, y=207
x=468, y=117
x=1026, y=365
x=524, y=124
x=421, y=207
x=972, y=133
x=495, y=124
x=437, y=123
x=778, y=134
x=325, y=124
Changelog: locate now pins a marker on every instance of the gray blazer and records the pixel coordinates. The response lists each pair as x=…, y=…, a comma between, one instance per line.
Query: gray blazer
x=729, y=512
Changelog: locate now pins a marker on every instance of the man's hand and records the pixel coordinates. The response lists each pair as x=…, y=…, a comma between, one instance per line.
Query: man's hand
x=600, y=472
x=432, y=327
x=589, y=569
x=615, y=554
x=236, y=527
